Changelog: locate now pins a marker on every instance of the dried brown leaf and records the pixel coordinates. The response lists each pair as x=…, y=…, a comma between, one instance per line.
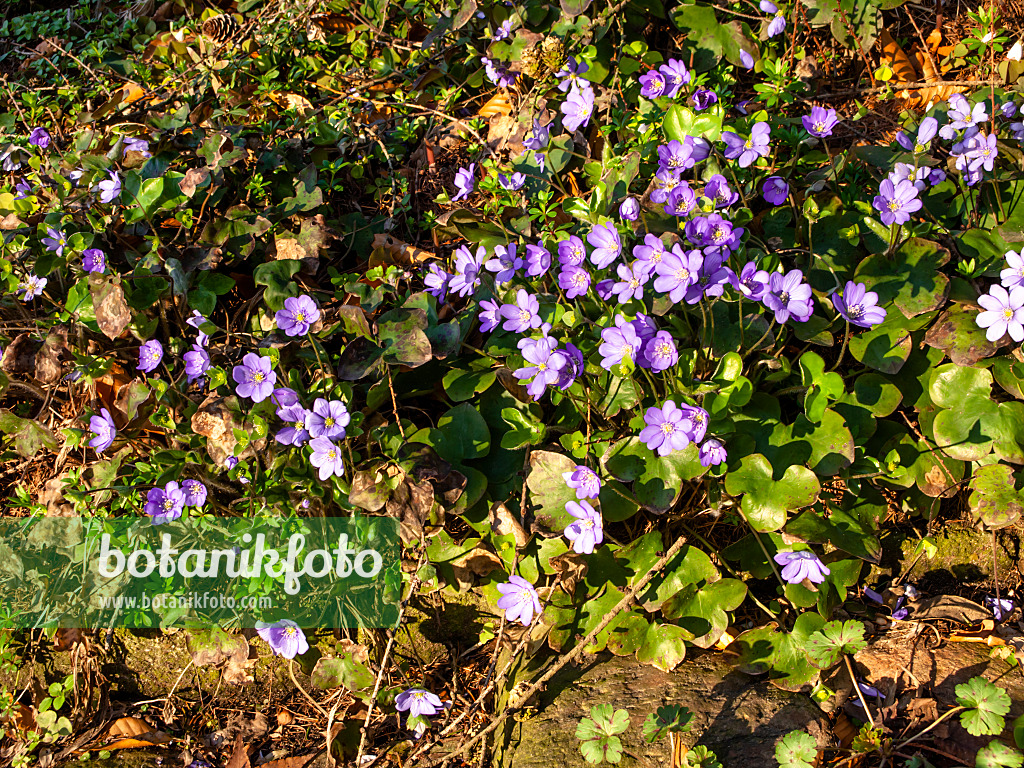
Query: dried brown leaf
x=112, y=313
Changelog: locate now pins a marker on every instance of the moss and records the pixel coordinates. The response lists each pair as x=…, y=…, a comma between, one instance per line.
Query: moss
x=963, y=553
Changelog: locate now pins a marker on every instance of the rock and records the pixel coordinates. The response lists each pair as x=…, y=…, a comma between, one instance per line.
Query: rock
x=964, y=555
x=739, y=717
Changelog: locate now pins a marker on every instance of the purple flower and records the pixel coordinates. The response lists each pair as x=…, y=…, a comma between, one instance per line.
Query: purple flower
x=778, y=23
x=150, y=355
x=519, y=600
x=962, y=115
x=32, y=286
x=584, y=481
x=717, y=190
x=56, y=241
x=570, y=75
x=137, y=145
x=652, y=84
x=195, y=321
x=521, y=316
x=328, y=419
x=649, y=254
x=538, y=260
x=298, y=315
x=436, y=282
x=283, y=397
x=798, y=566
x=667, y=429
x=895, y=202
x=607, y=246
x=747, y=150
x=631, y=285
x=103, y=428
x=1000, y=608
x=751, y=281
x=676, y=156
x=326, y=457
x=165, y=504
x=925, y=133
x=490, y=315
x=681, y=200
x=254, y=377
x=416, y=701
x=1008, y=109
x=936, y=176
x=572, y=252
x=110, y=188
x=513, y=182
x=499, y=74
x=907, y=172
x=505, y=263
x=618, y=344
x=677, y=271
x=820, y=122
x=746, y=59
x=197, y=363
x=22, y=188
x=586, y=532
x=500, y=34
x=537, y=137
x=775, y=190
x=575, y=281
x=39, y=137
x=712, y=453
x=703, y=98
x=1013, y=275
x=1004, y=313
x=661, y=351
x=629, y=209
x=858, y=305
x=573, y=366
x=93, y=260
x=195, y=493
x=545, y=365
x=294, y=432
x=465, y=181
x=467, y=270
x=603, y=289
x=788, y=296
x=676, y=76
x=982, y=151
x=645, y=327
x=577, y=109
x=284, y=637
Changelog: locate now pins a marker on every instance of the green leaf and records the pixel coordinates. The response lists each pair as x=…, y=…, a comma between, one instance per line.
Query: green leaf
x=994, y=500
x=29, y=436
x=668, y=719
x=461, y=384
x=277, y=277
x=400, y=333
x=839, y=528
x=342, y=671
x=766, y=500
x=986, y=705
x=525, y=430
x=702, y=613
x=657, y=480
x=995, y=754
x=462, y=434
x=681, y=122
x=957, y=333
x=826, y=647
x=885, y=347
x=797, y=750
x=663, y=647
x=912, y=278
x=548, y=491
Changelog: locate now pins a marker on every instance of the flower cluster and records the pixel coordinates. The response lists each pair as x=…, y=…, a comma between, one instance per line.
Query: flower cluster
x=167, y=503
x=1004, y=304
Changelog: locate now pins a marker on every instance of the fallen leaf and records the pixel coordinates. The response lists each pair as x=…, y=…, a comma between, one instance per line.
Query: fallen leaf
x=396, y=252
x=240, y=756
x=112, y=313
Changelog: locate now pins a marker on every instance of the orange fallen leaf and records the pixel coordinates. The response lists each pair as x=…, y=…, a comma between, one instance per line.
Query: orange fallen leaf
x=498, y=104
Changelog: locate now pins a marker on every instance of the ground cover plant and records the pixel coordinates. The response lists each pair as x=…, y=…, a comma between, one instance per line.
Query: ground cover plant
x=644, y=345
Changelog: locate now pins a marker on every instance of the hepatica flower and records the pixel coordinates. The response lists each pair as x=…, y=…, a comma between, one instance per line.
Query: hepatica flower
x=284, y=637
x=788, y=296
x=110, y=188
x=575, y=281
x=703, y=98
x=436, y=282
x=418, y=703
x=505, y=263
x=858, y=305
x=197, y=363
x=513, y=182
x=778, y=22
x=629, y=209
x=39, y=137
x=572, y=252
x=538, y=260
x=465, y=182
x=712, y=453
x=631, y=283
x=584, y=481
x=577, y=109
x=570, y=75
x=820, y=122
x=165, y=504
x=676, y=76
x=255, y=377
x=294, y=431
x=55, y=241
x=586, y=532
x=132, y=144
x=519, y=600
x=31, y=287
x=667, y=429
x=797, y=566
x=150, y=355
x=93, y=260
x=618, y=344
x=326, y=458
x=677, y=271
x=298, y=315
x=544, y=365
x=195, y=493
x=22, y=188
x=751, y=281
x=1004, y=313
x=660, y=352
x=1013, y=275
x=607, y=246
x=328, y=419
x=467, y=270
x=103, y=428
x=652, y=84
x=521, y=316
x=895, y=202
x=537, y=137
x=775, y=190
x=490, y=315
x=749, y=149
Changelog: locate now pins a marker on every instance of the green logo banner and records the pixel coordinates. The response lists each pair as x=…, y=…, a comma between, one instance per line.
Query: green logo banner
x=94, y=572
